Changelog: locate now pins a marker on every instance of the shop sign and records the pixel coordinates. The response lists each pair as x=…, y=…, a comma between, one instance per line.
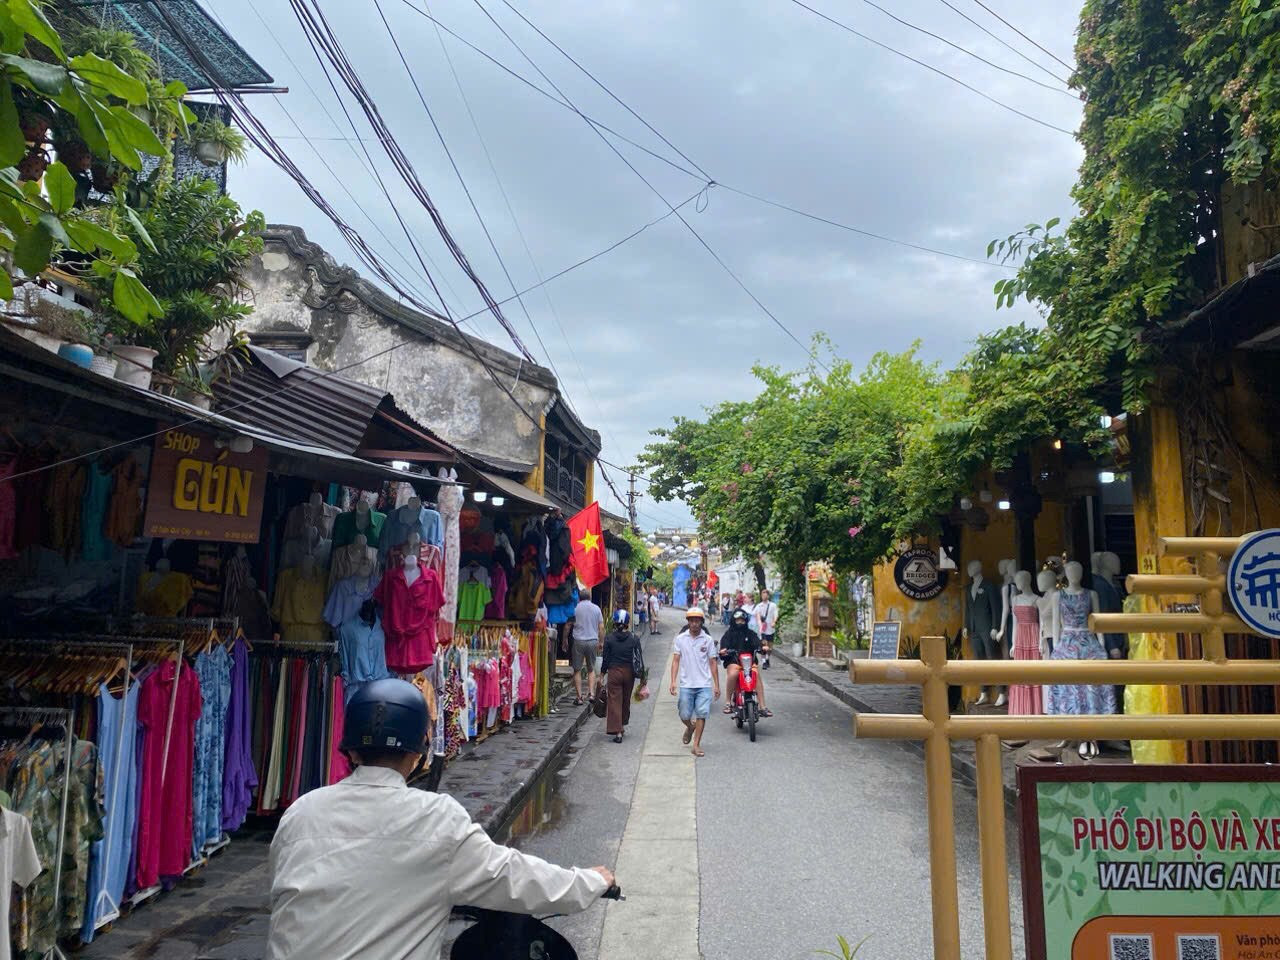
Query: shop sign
x=201, y=491
x=885, y=640
x=1253, y=581
x=917, y=574
x=1151, y=862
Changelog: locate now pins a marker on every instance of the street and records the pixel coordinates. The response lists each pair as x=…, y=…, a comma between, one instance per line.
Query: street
x=802, y=836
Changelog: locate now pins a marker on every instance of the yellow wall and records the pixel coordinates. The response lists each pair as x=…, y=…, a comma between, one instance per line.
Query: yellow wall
x=941, y=616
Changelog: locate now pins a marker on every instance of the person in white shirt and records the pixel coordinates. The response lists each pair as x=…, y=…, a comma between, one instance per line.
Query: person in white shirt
x=369, y=868
x=694, y=677
x=655, y=605
x=764, y=620
x=586, y=643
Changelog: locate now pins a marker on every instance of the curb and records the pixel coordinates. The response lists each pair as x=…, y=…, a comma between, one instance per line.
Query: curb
x=498, y=817
x=963, y=767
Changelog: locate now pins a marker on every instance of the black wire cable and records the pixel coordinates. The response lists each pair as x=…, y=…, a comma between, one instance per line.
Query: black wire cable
x=738, y=280
x=596, y=123
x=1023, y=35
x=1003, y=42
x=965, y=50
x=207, y=416
x=942, y=73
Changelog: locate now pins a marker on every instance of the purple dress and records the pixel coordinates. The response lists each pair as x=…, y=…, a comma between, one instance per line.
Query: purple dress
x=238, y=776
x=1077, y=643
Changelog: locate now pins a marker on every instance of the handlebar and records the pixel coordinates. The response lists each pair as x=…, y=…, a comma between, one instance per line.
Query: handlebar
x=613, y=893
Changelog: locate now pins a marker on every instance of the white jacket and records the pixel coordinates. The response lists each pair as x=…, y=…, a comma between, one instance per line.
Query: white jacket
x=369, y=868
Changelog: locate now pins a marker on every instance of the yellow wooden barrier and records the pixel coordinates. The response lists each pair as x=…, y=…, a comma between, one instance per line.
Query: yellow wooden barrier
x=933, y=672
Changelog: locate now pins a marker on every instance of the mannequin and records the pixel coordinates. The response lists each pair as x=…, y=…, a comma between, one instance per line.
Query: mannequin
x=1048, y=585
x=362, y=648
x=1073, y=641
x=411, y=598
x=347, y=593
x=981, y=614
x=363, y=519
x=313, y=513
x=162, y=592
x=1106, y=567
x=299, y=602
x=1025, y=699
x=354, y=556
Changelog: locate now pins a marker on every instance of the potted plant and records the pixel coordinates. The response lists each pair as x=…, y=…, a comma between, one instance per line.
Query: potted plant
x=49, y=324
x=214, y=143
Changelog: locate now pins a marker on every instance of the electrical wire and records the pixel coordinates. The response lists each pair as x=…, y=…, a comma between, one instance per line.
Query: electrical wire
x=738, y=280
x=206, y=416
x=596, y=123
x=964, y=50
x=942, y=73
x=1003, y=42
x=1023, y=35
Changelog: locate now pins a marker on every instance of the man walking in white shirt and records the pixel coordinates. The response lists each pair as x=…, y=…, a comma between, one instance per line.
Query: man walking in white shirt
x=369, y=868
x=694, y=675
x=586, y=642
x=764, y=618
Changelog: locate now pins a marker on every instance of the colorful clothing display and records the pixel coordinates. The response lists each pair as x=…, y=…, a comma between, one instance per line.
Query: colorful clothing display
x=1077, y=643
x=450, y=509
x=109, y=857
x=93, y=512
x=124, y=512
x=346, y=598
x=213, y=669
x=497, y=607
x=299, y=605
x=473, y=597
x=164, y=594
x=346, y=526
x=239, y=778
x=362, y=649
x=1026, y=699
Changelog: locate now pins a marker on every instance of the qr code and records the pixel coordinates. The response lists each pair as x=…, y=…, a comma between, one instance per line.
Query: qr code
x=1132, y=947
x=1204, y=947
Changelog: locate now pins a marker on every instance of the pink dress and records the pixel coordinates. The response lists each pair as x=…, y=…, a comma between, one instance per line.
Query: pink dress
x=1024, y=699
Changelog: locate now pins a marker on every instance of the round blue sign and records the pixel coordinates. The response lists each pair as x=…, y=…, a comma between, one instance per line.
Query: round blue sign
x=1253, y=582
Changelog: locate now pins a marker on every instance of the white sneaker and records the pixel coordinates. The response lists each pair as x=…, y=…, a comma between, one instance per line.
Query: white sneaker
x=1002, y=700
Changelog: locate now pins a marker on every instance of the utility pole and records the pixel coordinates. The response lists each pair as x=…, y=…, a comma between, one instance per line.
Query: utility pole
x=631, y=503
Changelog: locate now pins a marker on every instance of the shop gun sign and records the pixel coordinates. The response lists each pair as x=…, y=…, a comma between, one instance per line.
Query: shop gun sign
x=200, y=489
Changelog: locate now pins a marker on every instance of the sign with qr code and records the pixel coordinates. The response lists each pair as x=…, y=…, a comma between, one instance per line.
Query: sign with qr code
x=1151, y=862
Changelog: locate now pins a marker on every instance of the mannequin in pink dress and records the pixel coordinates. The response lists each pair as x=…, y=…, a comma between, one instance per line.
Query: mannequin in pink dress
x=1025, y=699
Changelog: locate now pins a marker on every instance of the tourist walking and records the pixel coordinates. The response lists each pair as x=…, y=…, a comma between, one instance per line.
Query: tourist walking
x=623, y=664
x=695, y=677
x=584, y=643
x=654, y=606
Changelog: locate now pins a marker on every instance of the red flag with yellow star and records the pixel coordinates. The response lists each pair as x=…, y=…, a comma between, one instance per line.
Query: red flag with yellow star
x=588, y=546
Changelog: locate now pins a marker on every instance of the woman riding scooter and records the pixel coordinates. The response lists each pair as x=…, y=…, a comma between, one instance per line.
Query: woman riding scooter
x=738, y=639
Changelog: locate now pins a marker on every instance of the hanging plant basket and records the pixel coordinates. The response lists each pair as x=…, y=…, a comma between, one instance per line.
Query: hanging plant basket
x=209, y=153
x=34, y=164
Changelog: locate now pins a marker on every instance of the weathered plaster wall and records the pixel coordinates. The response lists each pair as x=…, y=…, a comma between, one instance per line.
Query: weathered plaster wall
x=432, y=375
x=939, y=617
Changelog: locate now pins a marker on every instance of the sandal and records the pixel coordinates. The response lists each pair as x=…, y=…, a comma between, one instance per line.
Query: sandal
x=766, y=713
x=697, y=752
x=688, y=736
x=728, y=709
x=577, y=701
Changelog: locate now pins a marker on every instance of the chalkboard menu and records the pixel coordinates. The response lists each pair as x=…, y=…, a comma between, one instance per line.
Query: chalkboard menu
x=884, y=640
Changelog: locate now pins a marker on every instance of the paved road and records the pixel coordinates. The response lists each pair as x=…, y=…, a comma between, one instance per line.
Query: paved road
x=801, y=836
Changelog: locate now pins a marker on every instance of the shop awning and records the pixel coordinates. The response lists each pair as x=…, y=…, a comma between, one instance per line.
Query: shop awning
x=516, y=490
x=24, y=361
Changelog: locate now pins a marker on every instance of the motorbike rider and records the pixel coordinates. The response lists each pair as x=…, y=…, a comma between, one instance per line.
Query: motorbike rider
x=739, y=639
x=369, y=868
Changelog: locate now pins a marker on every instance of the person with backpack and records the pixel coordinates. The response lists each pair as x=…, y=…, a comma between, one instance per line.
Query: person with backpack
x=623, y=665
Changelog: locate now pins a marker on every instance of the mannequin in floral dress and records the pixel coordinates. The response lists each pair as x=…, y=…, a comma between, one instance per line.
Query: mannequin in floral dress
x=1073, y=641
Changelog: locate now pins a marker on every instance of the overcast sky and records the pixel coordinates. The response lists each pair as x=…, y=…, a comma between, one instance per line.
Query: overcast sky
x=764, y=96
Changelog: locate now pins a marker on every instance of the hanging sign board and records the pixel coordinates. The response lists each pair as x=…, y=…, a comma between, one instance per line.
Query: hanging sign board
x=917, y=575
x=884, y=640
x=1151, y=862
x=1253, y=581
x=201, y=491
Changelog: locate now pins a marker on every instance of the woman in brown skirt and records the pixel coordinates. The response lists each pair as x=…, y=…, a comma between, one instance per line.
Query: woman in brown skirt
x=623, y=662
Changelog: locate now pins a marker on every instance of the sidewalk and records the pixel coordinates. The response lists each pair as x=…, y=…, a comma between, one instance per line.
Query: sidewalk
x=895, y=698
x=220, y=911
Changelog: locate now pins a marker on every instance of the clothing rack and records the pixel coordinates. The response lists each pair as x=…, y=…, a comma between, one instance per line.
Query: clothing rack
x=42, y=714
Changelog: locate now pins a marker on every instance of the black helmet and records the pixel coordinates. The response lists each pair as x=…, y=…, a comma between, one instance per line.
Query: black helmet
x=740, y=616
x=386, y=715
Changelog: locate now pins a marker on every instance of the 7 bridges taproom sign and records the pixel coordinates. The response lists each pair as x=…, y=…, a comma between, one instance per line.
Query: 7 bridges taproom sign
x=1151, y=862
x=199, y=490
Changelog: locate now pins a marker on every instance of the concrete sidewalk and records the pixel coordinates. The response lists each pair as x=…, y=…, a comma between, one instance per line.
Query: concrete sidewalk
x=895, y=698
x=220, y=911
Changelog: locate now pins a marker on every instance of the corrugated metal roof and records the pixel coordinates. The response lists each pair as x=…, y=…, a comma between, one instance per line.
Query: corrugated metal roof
x=300, y=402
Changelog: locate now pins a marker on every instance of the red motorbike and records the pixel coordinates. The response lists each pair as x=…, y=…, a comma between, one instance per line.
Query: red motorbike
x=746, y=702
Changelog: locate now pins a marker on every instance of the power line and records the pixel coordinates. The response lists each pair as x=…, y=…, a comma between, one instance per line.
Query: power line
x=964, y=50
x=1003, y=42
x=596, y=123
x=206, y=416
x=1023, y=35
x=493, y=168
x=738, y=280
x=928, y=66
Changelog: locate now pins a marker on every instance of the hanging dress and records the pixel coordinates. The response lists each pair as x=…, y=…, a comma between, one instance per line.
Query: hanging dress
x=1077, y=643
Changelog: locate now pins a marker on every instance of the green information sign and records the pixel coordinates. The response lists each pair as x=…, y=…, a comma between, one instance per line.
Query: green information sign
x=1151, y=862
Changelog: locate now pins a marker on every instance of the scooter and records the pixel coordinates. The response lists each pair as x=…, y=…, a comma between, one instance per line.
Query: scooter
x=496, y=935
x=746, y=704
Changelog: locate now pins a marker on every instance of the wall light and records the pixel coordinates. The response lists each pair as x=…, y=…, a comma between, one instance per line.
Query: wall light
x=480, y=496
x=498, y=501
x=966, y=503
x=985, y=495
x=400, y=465
x=1003, y=505
x=1106, y=476
x=1057, y=444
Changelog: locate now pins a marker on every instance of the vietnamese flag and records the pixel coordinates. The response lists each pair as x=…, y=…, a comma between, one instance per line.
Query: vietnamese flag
x=588, y=546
